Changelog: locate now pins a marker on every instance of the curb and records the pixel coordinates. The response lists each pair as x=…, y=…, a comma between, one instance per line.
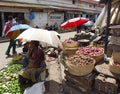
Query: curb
x=2, y=40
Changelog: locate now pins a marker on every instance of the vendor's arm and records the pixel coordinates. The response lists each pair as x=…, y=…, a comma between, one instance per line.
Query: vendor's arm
x=39, y=58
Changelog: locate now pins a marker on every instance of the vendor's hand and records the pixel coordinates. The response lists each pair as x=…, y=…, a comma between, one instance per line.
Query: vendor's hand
x=27, y=69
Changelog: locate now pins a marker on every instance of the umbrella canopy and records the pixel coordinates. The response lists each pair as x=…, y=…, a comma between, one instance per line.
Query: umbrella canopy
x=16, y=30
x=40, y=35
x=74, y=22
x=114, y=14
x=89, y=23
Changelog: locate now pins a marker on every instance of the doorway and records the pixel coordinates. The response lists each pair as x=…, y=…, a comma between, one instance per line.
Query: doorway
x=0, y=25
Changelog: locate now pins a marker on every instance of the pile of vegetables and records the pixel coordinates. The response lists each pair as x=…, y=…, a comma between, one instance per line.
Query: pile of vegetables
x=90, y=51
x=70, y=43
x=117, y=63
x=81, y=60
x=9, y=80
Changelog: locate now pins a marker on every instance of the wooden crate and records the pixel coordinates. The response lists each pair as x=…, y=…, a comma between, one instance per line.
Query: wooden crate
x=83, y=83
x=107, y=85
x=100, y=83
x=111, y=85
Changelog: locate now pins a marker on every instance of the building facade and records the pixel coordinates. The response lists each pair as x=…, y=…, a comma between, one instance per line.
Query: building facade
x=40, y=12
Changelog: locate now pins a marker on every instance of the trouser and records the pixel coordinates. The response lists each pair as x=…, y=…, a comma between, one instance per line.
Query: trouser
x=24, y=81
x=24, y=61
x=12, y=45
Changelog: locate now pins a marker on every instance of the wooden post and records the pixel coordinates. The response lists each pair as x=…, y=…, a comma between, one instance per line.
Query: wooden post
x=108, y=24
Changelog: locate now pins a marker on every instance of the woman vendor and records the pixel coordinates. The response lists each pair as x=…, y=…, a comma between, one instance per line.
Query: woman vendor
x=36, y=64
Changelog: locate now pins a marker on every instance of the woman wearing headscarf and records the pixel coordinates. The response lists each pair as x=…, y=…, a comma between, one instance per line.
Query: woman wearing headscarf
x=36, y=64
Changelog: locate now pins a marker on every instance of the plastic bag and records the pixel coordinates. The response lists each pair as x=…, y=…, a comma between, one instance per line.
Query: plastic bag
x=37, y=88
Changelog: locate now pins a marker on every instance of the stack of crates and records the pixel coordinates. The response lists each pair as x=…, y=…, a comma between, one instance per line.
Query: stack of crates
x=105, y=85
x=82, y=83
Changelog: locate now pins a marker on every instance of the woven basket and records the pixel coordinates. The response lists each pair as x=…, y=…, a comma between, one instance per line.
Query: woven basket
x=98, y=58
x=114, y=68
x=116, y=56
x=70, y=51
x=80, y=70
x=73, y=45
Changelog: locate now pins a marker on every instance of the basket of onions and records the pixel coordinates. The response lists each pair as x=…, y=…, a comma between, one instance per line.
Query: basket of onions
x=95, y=52
x=69, y=43
x=80, y=65
x=114, y=66
x=70, y=46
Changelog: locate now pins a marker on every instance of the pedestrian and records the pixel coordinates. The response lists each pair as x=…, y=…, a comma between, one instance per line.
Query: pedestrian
x=16, y=22
x=78, y=28
x=12, y=43
x=47, y=27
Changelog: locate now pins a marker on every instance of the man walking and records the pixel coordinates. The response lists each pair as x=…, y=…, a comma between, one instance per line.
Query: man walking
x=12, y=43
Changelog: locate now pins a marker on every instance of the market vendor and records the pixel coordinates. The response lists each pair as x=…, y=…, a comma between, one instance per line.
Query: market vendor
x=36, y=64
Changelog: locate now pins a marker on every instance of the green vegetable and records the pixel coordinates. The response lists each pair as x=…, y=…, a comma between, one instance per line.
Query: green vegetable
x=9, y=80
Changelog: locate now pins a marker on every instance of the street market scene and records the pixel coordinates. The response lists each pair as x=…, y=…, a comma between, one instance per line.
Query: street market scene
x=60, y=47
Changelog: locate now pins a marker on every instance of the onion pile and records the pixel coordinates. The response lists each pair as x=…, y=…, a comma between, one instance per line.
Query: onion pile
x=70, y=43
x=90, y=51
x=80, y=60
x=117, y=63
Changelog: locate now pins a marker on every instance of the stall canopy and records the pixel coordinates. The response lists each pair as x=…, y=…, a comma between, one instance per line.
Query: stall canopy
x=114, y=14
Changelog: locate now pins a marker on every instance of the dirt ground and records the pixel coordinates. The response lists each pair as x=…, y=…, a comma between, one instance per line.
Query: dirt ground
x=55, y=81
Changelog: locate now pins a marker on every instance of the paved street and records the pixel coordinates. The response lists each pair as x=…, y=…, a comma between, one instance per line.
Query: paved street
x=3, y=46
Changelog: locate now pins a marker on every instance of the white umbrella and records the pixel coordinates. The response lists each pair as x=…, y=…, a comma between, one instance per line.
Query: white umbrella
x=40, y=35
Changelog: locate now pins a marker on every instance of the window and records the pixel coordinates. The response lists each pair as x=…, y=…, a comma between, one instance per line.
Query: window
x=90, y=5
x=73, y=1
x=81, y=15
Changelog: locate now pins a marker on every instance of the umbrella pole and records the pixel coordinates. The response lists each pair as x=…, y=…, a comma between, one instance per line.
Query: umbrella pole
x=76, y=30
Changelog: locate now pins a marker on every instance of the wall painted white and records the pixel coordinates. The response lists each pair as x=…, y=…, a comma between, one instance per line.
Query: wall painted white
x=40, y=19
x=55, y=18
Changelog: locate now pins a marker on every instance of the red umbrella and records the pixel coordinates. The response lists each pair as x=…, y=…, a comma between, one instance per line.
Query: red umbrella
x=74, y=22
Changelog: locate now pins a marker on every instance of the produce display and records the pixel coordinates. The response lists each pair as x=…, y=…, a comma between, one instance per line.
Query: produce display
x=70, y=43
x=80, y=65
x=114, y=66
x=117, y=63
x=9, y=80
x=82, y=35
x=90, y=51
x=80, y=60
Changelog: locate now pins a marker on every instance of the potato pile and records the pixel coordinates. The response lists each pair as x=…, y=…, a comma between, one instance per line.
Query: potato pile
x=80, y=60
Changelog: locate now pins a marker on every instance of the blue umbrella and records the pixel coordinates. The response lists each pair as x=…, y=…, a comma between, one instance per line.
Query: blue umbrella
x=16, y=30
x=89, y=23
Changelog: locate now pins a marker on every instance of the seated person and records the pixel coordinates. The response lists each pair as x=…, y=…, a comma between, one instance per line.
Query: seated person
x=36, y=64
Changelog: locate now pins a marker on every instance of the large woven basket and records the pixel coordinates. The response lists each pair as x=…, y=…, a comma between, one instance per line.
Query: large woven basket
x=114, y=68
x=72, y=45
x=98, y=58
x=70, y=51
x=116, y=56
x=80, y=70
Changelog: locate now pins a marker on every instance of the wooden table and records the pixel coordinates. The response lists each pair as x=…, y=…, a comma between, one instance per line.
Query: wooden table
x=103, y=68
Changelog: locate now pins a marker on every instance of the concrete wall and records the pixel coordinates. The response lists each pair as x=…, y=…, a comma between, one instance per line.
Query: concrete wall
x=85, y=5
x=47, y=2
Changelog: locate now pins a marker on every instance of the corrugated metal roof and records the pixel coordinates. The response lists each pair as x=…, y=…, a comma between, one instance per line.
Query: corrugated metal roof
x=24, y=5
x=77, y=9
x=90, y=1
x=103, y=1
